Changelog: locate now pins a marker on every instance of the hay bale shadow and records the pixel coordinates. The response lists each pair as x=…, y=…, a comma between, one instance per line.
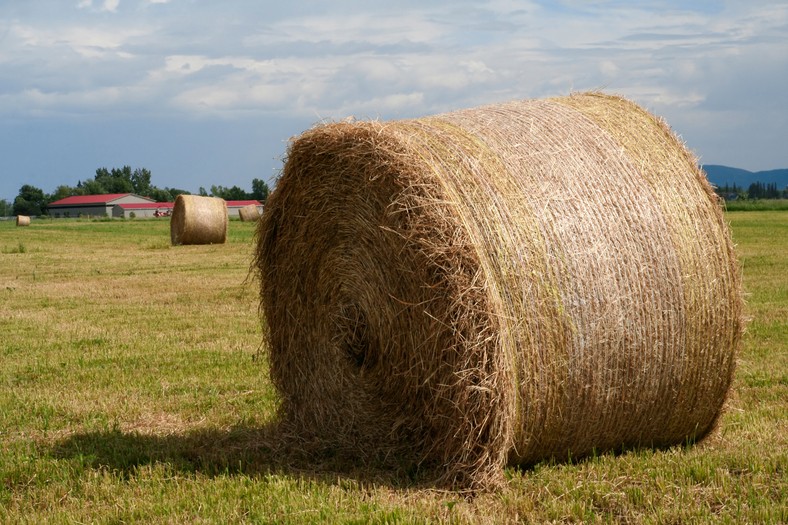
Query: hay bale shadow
x=272, y=449
x=241, y=450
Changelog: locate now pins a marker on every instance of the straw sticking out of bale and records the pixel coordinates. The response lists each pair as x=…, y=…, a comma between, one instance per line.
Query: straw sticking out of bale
x=22, y=220
x=249, y=213
x=497, y=286
x=198, y=220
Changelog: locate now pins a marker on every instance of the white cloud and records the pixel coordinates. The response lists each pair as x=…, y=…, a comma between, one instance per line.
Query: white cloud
x=108, y=5
x=111, y=5
x=390, y=61
x=61, y=103
x=391, y=104
x=48, y=44
x=608, y=68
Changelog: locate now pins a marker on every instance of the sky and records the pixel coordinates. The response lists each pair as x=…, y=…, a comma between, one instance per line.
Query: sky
x=206, y=93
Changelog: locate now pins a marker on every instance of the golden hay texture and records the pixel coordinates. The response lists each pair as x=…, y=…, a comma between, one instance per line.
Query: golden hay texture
x=22, y=220
x=249, y=213
x=496, y=286
x=198, y=220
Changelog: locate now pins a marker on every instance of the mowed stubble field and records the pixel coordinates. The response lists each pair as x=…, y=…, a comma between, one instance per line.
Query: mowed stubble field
x=133, y=388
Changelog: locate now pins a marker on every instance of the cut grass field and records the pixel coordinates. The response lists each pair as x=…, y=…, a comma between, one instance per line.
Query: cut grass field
x=133, y=389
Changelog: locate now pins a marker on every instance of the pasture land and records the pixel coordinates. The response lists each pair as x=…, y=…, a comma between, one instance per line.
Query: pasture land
x=133, y=388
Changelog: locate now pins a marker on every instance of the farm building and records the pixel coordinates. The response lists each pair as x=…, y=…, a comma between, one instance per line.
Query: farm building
x=95, y=205
x=129, y=210
x=123, y=205
x=161, y=209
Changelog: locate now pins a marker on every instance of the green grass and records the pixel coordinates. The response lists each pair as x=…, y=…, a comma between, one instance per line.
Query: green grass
x=132, y=390
x=757, y=205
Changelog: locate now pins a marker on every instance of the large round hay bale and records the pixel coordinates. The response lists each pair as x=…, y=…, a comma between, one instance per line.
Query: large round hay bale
x=249, y=213
x=22, y=220
x=500, y=285
x=198, y=220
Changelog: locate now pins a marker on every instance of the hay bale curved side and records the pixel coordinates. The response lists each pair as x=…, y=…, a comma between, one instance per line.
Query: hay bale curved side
x=22, y=220
x=710, y=278
x=249, y=213
x=198, y=220
x=497, y=285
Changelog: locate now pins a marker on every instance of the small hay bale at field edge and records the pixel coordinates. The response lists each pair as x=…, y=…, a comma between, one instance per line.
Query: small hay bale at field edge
x=498, y=286
x=249, y=213
x=22, y=220
x=198, y=220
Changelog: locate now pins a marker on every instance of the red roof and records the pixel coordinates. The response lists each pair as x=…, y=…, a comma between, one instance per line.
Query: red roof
x=145, y=205
x=82, y=200
x=155, y=205
x=243, y=203
x=77, y=200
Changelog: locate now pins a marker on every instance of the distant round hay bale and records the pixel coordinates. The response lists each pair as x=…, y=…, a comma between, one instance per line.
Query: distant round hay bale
x=499, y=285
x=249, y=213
x=22, y=220
x=198, y=220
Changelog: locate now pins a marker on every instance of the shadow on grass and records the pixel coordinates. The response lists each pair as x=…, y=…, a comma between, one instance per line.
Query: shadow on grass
x=250, y=451
x=264, y=450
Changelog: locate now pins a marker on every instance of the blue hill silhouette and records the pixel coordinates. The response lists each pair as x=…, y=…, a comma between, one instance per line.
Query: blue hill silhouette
x=726, y=175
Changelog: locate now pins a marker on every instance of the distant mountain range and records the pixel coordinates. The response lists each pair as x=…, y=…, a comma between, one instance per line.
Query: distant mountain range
x=722, y=175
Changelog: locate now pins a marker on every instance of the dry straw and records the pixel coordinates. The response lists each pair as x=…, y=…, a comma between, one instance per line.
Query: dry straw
x=198, y=220
x=499, y=285
x=249, y=213
x=22, y=220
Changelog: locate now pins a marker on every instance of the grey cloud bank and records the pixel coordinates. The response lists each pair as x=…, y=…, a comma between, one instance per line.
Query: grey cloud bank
x=208, y=93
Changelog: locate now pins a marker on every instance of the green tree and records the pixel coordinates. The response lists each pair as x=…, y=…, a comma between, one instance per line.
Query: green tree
x=229, y=194
x=62, y=192
x=115, y=181
x=174, y=192
x=259, y=190
x=160, y=195
x=5, y=208
x=118, y=180
x=756, y=190
x=30, y=201
x=92, y=187
x=140, y=182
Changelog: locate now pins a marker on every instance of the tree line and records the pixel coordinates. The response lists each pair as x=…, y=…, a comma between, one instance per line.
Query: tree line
x=33, y=201
x=756, y=190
